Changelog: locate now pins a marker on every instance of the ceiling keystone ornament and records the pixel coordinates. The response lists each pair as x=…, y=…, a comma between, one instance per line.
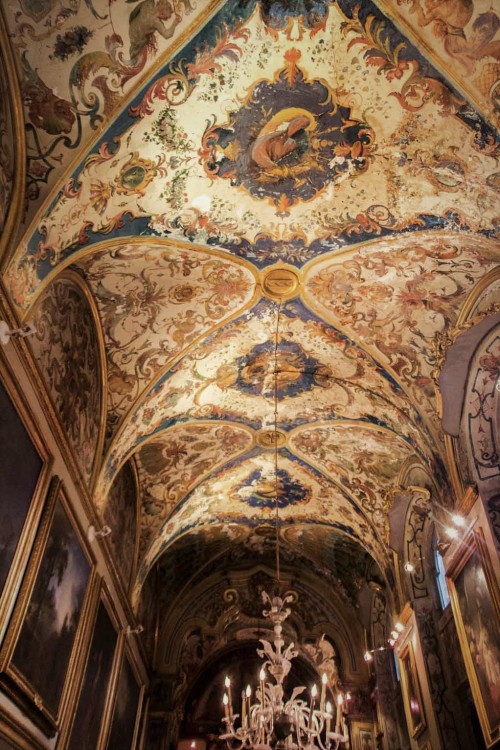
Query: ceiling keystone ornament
x=280, y=283
x=289, y=140
x=268, y=439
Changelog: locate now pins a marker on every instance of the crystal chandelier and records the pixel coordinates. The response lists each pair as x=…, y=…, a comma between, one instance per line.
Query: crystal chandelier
x=273, y=721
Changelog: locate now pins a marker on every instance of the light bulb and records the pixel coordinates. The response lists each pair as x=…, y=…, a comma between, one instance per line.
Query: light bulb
x=340, y=699
x=248, y=691
x=324, y=678
x=458, y=520
x=368, y=656
x=314, y=691
x=328, y=707
x=452, y=533
x=399, y=627
x=348, y=696
x=225, y=700
x=394, y=635
x=409, y=567
x=262, y=675
x=227, y=682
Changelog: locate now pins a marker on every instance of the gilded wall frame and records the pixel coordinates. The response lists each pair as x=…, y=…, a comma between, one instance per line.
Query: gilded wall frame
x=475, y=602
x=40, y=649
x=128, y=702
x=13, y=736
x=22, y=492
x=89, y=708
x=362, y=735
x=412, y=694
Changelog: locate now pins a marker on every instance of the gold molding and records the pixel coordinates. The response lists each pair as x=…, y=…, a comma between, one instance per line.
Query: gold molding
x=15, y=683
x=154, y=242
x=443, y=340
x=36, y=503
x=467, y=501
x=16, y=206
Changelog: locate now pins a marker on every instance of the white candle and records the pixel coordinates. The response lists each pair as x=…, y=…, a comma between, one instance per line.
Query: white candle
x=324, y=680
x=340, y=701
x=225, y=701
x=227, y=683
x=328, y=717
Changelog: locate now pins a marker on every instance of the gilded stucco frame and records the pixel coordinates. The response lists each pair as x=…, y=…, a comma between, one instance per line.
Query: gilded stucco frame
x=410, y=685
x=27, y=535
x=17, y=736
x=15, y=684
x=360, y=729
x=473, y=543
x=100, y=596
x=127, y=654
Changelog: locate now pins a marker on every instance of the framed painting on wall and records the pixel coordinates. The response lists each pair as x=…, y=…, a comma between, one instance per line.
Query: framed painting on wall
x=46, y=627
x=412, y=696
x=127, y=708
x=22, y=492
x=90, y=711
x=363, y=735
x=14, y=736
x=475, y=604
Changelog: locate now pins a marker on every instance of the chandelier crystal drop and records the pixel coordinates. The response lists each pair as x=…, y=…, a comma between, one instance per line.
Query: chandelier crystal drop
x=272, y=721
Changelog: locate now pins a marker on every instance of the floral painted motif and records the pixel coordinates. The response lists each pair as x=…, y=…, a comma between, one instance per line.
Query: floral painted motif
x=396, y=299
x=205, y=384
x=171, y=465
x=151, y=313
x=67, y=353
x=363, y=459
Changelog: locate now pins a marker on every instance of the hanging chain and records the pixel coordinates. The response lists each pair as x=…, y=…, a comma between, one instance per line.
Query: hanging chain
x=276, y=479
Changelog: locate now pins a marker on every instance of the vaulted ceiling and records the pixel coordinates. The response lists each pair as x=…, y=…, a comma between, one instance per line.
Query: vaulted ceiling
x=207, y=180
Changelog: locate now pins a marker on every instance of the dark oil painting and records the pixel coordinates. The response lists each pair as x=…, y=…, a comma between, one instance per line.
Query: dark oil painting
x=125, y=710
x=16, y=486
x=88, y=719
x=46, y=639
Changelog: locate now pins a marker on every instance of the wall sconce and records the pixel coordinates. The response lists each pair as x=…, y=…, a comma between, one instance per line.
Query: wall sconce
x=134, y=631
x=6, y=333
x=92, y=532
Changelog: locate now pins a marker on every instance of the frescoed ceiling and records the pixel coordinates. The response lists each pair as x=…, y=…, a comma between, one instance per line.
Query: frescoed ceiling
x=255, y=193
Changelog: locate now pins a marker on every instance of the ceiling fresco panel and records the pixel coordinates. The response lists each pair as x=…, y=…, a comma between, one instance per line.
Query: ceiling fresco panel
x=241, y=493
x=177, y=460
x=77, y=61
x=154, y=301
x=323, y=375
x=394, y=298
x=363, y=459
x=362, y=132
x=68, y=351
x=464, y=40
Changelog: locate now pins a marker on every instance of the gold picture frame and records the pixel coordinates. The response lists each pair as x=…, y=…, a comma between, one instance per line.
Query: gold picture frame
x=88, y=709
x=475, y=603
x=363, y=735
x=13, y=736
x=23, y=492
x=412, y=694
x=123, y=731
x=39, y=652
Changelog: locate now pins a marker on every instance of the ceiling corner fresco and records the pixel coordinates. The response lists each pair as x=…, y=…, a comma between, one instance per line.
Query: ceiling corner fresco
x=237, y=183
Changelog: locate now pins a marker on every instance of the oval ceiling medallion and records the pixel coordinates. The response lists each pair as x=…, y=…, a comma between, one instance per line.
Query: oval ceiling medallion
x=280, y=283
x=269, y=438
